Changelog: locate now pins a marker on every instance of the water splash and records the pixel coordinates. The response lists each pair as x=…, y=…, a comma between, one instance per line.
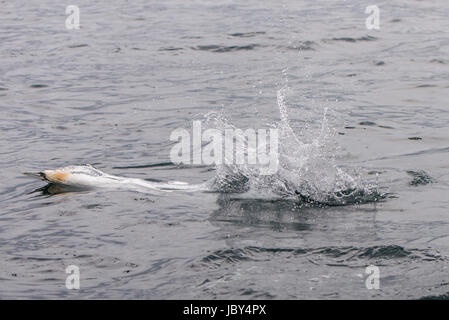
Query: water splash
x=308, y=170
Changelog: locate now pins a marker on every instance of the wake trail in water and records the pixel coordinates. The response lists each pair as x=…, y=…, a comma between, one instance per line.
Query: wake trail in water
x=307, y=169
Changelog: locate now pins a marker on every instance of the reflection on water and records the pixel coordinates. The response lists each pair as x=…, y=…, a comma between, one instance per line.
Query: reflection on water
x=290, y=216
x=54, y=189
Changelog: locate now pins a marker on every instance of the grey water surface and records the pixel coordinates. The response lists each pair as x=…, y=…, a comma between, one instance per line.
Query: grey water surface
x=111, y=92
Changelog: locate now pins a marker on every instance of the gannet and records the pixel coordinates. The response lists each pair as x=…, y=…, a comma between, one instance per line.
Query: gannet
x=86, y=176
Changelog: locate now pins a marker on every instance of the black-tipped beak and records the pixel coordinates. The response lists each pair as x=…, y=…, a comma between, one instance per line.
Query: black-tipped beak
x=39, y=175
